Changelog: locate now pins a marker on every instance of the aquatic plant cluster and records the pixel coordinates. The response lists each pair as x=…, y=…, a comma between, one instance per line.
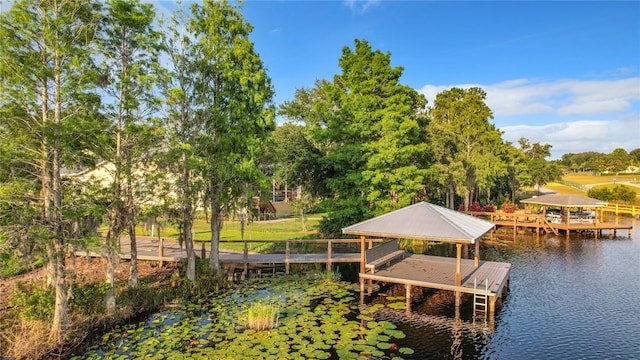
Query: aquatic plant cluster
x=317, y=318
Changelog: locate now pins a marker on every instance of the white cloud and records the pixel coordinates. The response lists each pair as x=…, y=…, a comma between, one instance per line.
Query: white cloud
x=556, y=112
x=360, y=6
x=562, y=97
x=581, y=136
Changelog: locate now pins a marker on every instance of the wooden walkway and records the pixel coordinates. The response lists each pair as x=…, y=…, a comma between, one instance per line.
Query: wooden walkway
x=150, y=249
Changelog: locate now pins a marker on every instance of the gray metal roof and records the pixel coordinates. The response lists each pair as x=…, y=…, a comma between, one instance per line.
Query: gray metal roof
x=424, y=221
x=565, y=201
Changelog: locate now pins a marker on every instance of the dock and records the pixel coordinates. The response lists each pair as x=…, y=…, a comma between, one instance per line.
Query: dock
x=485, y=280
x=489, y=279
x=437, y=272
x=168, y=250
x=539, y=223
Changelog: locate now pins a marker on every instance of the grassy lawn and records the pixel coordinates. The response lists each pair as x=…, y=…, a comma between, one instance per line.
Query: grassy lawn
x=564, y=189
x=281, y=229
x=588, y=178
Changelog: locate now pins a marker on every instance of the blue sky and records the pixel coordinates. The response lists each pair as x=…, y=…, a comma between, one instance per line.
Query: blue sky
x=559, y=73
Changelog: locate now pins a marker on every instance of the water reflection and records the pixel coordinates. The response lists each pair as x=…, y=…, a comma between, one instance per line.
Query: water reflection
x=568, y=298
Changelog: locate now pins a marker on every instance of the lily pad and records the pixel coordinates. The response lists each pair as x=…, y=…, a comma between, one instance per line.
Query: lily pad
x=406, y=351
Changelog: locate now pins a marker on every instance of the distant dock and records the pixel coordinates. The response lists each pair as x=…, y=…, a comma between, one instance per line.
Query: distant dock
x=539, y=223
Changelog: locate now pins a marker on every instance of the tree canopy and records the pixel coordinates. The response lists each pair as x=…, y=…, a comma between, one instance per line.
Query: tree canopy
x=370, y=130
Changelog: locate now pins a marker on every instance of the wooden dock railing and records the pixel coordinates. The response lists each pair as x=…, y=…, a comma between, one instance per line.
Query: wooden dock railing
x=297, y=251
x=283, y=252
x=622, y=209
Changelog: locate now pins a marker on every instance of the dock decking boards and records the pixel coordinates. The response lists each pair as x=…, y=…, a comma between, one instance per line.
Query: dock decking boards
x=438, y=272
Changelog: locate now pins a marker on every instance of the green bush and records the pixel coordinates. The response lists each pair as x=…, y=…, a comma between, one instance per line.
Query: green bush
x=11, y=265
x=609, y=193
x=624, y=193
x=89, y=299
x=33, y=302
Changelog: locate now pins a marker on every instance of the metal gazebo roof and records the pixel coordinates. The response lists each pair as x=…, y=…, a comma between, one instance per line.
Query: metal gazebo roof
x=565, y=201
x=424, y=221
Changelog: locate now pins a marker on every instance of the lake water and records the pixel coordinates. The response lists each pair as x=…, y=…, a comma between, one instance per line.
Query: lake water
x=568, y=299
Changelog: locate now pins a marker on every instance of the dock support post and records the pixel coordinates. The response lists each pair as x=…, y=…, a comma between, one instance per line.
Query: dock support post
x=362, y=252
x=161, y=251
x=245, y=257
x=361, y=291
x=408, y=298
x=476, y=254
x=492, y=306
x=329, y=255
x=286, y=259
x=458, y=261
x=458, y=296
x=458, y=277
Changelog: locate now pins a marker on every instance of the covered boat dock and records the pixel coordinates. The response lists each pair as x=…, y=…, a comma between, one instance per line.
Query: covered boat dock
x=485, y=280
x=574, y=213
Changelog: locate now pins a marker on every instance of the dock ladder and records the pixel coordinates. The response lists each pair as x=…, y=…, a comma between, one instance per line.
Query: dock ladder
x=480, y=299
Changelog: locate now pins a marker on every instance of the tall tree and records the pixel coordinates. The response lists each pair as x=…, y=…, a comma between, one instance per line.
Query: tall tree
x=370, y=130
x=130, y=50
x=619, y=160
x=46, y=87
x=467, y=143
x=540, y=171
x=517, y=174
x=635, y=156
x=295, y=160
x=183, y=130
x=233, y=101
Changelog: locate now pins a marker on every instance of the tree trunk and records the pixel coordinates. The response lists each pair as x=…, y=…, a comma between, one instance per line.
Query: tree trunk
x=188, y=237
x=60, y=310
x=112, y=245
x=304, y=222
x=51, y=269
x=133, y=273
x=452, y=196
x=110, y=297
x=216, y=226
x=187, y=215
